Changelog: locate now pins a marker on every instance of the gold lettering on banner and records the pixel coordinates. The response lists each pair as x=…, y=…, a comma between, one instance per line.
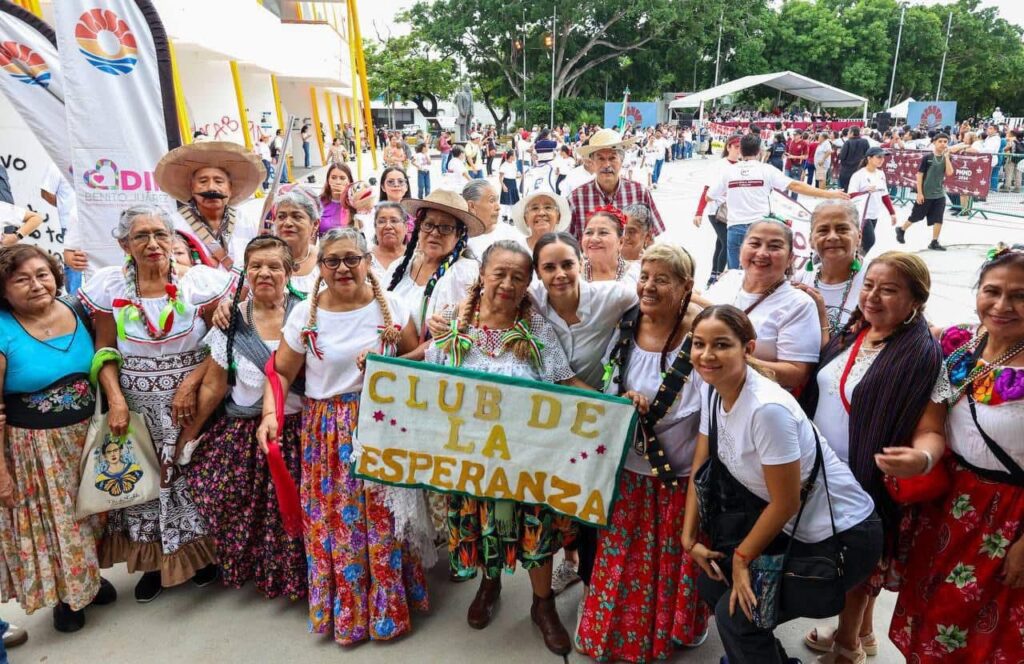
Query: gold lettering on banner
x=368, y=459
x=454, y=424
x=488, y=403
x=496, y=441
x=593, y=509
x=375, y=396
x=498, y=486
x=442, y=393
x=534, y=483
x=554, y=412
x=393, y=459
x=412, y=401
x=471, y=472
x=585, y=417
x=418, y=461
x=559, y=498
x=443, y=467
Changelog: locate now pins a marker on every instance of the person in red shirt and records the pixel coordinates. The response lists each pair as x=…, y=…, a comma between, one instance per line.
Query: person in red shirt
x=796, y=154
x=812, y=147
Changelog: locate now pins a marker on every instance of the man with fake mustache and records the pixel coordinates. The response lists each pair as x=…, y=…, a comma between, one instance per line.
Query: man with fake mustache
x=605, y=150
x=209, y=179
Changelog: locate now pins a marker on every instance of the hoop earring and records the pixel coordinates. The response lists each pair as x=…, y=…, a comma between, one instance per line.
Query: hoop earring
x=911, y=319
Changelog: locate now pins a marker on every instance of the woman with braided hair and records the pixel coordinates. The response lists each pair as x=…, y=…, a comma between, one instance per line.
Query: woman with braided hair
x=496, y=330
x=642, y=597
x=363, y=580
x=156, y=322
x=437, y=267
x=227, y=474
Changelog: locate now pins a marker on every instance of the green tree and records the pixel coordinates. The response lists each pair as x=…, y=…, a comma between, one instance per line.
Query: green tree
x=401, y=68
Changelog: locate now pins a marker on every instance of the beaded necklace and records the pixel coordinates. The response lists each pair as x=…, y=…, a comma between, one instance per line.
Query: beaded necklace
x=588, y=271
x=979, y=371
x=132, y=308
x=833, y=320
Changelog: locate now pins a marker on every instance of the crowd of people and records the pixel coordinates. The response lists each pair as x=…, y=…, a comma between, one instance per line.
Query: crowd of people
x=783, y=418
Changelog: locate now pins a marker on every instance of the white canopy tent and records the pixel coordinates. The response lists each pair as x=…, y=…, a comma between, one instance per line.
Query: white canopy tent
x=901, y=109
x=789, y=82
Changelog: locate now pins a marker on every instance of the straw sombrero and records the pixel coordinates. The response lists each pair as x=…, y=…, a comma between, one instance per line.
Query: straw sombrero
x=604, y=139
x=519, y=211
x=450, y=202
x=245, y=168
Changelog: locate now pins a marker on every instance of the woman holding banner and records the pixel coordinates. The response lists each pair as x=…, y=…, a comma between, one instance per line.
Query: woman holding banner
x=496, y=330
x=363, y=580
x=228, y=476
x=642, y=598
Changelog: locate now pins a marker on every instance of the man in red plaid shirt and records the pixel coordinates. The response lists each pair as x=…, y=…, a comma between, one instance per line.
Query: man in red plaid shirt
x=605, y=150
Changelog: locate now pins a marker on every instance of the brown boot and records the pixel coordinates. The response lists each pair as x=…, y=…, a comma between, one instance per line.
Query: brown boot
x=545, y=616
x=482, y=607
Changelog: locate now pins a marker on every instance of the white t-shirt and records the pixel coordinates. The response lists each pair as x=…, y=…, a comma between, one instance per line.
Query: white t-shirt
x=12, y=215
x=822, y=158
x=501, y=231
x=677, y=430
x=577, y=177
x=249, y=379
x=747, y=188
x=875, y=182
x=455, y=178
x=341, y=336
x=508, y=170
x=715, y=175
x=564, y=164
x=523, y=148
x=766, y=427
x=786, y=322
x=831, y=417
x=601, y=306
x=833, y=294
x=67, y=206
x=450, y=289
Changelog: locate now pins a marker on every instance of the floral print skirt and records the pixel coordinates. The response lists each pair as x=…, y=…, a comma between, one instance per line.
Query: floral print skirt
x=954, y=606
x=46, y=554
x=474, y=540
x=363, y=582
x=231, y=485
x=643, y=595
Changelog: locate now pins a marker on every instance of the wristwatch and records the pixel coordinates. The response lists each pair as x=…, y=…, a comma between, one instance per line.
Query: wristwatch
x=19, y=235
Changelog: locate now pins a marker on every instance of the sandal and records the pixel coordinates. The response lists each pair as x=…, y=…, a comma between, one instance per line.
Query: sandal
x=821, y=640
x=855, y=656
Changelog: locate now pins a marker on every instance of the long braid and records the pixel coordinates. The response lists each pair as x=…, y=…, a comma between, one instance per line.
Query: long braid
x=675, y=328
x=410, y=251
x=521, y=348
x=472, y=303
x=232, y=327
x=309, y=332
x=446, y=263
x=390, y=333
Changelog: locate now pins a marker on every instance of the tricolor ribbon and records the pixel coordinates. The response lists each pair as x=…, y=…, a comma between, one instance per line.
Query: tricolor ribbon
x=127, y=311
x=309, y=336
x=387, y=348
x=456, y=344
x=520, y=331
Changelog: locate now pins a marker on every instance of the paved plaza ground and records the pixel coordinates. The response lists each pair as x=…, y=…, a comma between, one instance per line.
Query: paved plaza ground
x=215, y=625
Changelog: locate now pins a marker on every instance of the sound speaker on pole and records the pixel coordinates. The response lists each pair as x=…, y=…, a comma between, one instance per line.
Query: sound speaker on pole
x=686, y=119
x=883, y=120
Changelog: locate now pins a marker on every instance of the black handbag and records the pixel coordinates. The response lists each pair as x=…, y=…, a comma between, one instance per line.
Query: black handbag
x=810, y=585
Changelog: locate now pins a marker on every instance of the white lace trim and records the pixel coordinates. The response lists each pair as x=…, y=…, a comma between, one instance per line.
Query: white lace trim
x=941, y=390
x=247, y=373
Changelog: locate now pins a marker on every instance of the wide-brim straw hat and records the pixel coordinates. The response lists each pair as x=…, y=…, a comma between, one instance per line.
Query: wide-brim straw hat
x=450, y=202
x=519, y=211
x=605, y=139
x=244, y=168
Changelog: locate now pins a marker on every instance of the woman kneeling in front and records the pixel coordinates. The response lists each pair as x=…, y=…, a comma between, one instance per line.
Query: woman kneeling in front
x=766, y=454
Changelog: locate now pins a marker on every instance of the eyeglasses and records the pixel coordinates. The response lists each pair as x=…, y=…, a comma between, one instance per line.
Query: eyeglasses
x=388, y=222
x=350, y=261
x=143, y=238
x=445, y=229
x=394, y=183
x=542, y=208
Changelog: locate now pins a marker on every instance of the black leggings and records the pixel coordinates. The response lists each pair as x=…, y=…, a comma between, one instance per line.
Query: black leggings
x=718, y=260
x=586, y=546
x=867, y=237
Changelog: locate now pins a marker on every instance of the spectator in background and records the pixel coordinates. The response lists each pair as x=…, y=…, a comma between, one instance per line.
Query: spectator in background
x=1014, y=151
x=306, y=134
x=18, y=223
x=58, y=192
x=796, y=154
x=336, y=155
x=421, y=162
x=5, y=186
x=851, y=155
x=993, y=145
x=822, y=160
x=444, y=146
x=870, y=181
x=544, y=148
x=812, y=146
x=776, y=152
x=473, y=152
x=931, y=191
x=262, y=148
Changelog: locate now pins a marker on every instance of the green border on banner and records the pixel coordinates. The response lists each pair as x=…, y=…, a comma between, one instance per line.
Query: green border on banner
x=514, y=382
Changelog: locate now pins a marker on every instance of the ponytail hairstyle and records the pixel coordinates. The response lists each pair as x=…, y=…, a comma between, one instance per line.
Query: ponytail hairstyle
x=258, y=243
x=740, y=326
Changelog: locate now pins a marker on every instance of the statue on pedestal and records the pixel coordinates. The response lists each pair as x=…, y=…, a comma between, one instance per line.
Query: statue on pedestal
x=464, y=106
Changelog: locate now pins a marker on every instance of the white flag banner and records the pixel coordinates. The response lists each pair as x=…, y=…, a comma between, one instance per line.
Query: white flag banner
x=32, y=80
x=120, y=112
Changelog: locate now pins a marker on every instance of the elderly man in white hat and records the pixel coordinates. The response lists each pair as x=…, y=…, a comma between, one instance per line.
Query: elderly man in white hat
x=605, y=151
x=209, y=179
x=474, y=151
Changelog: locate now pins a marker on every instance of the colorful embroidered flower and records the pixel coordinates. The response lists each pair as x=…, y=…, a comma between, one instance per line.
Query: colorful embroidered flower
x=1009, y=384
x=955, y=337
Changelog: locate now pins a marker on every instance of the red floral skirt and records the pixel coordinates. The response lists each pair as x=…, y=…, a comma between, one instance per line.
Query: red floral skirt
x=954, y=606
x=643, y=595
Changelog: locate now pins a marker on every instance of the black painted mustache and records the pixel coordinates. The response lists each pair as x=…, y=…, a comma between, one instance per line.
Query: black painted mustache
x=212, y=195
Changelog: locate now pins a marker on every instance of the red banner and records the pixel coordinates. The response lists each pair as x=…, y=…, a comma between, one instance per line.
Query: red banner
x=837, y=125
x=971, y=173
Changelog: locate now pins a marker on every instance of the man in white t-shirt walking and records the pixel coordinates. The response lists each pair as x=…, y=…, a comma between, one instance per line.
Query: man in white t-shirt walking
x=747, y=186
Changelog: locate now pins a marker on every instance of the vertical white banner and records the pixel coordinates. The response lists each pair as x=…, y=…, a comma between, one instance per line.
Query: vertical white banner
x=31, y=80
x=120, y=111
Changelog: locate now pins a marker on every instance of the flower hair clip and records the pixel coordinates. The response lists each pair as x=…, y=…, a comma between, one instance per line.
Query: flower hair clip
x=611, y=210
x=1001, y=249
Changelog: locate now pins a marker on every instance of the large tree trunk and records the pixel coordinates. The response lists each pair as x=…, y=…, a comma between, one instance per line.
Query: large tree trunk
x=426, y=97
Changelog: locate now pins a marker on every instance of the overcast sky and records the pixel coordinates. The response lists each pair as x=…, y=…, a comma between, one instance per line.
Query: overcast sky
x=381, y=14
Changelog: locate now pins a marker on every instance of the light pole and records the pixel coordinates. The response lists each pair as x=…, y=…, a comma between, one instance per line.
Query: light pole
x=942, y=69
x=896, y=57
x=554, y=26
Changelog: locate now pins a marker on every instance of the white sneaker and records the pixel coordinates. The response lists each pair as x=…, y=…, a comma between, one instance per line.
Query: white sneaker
x=564, y=576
